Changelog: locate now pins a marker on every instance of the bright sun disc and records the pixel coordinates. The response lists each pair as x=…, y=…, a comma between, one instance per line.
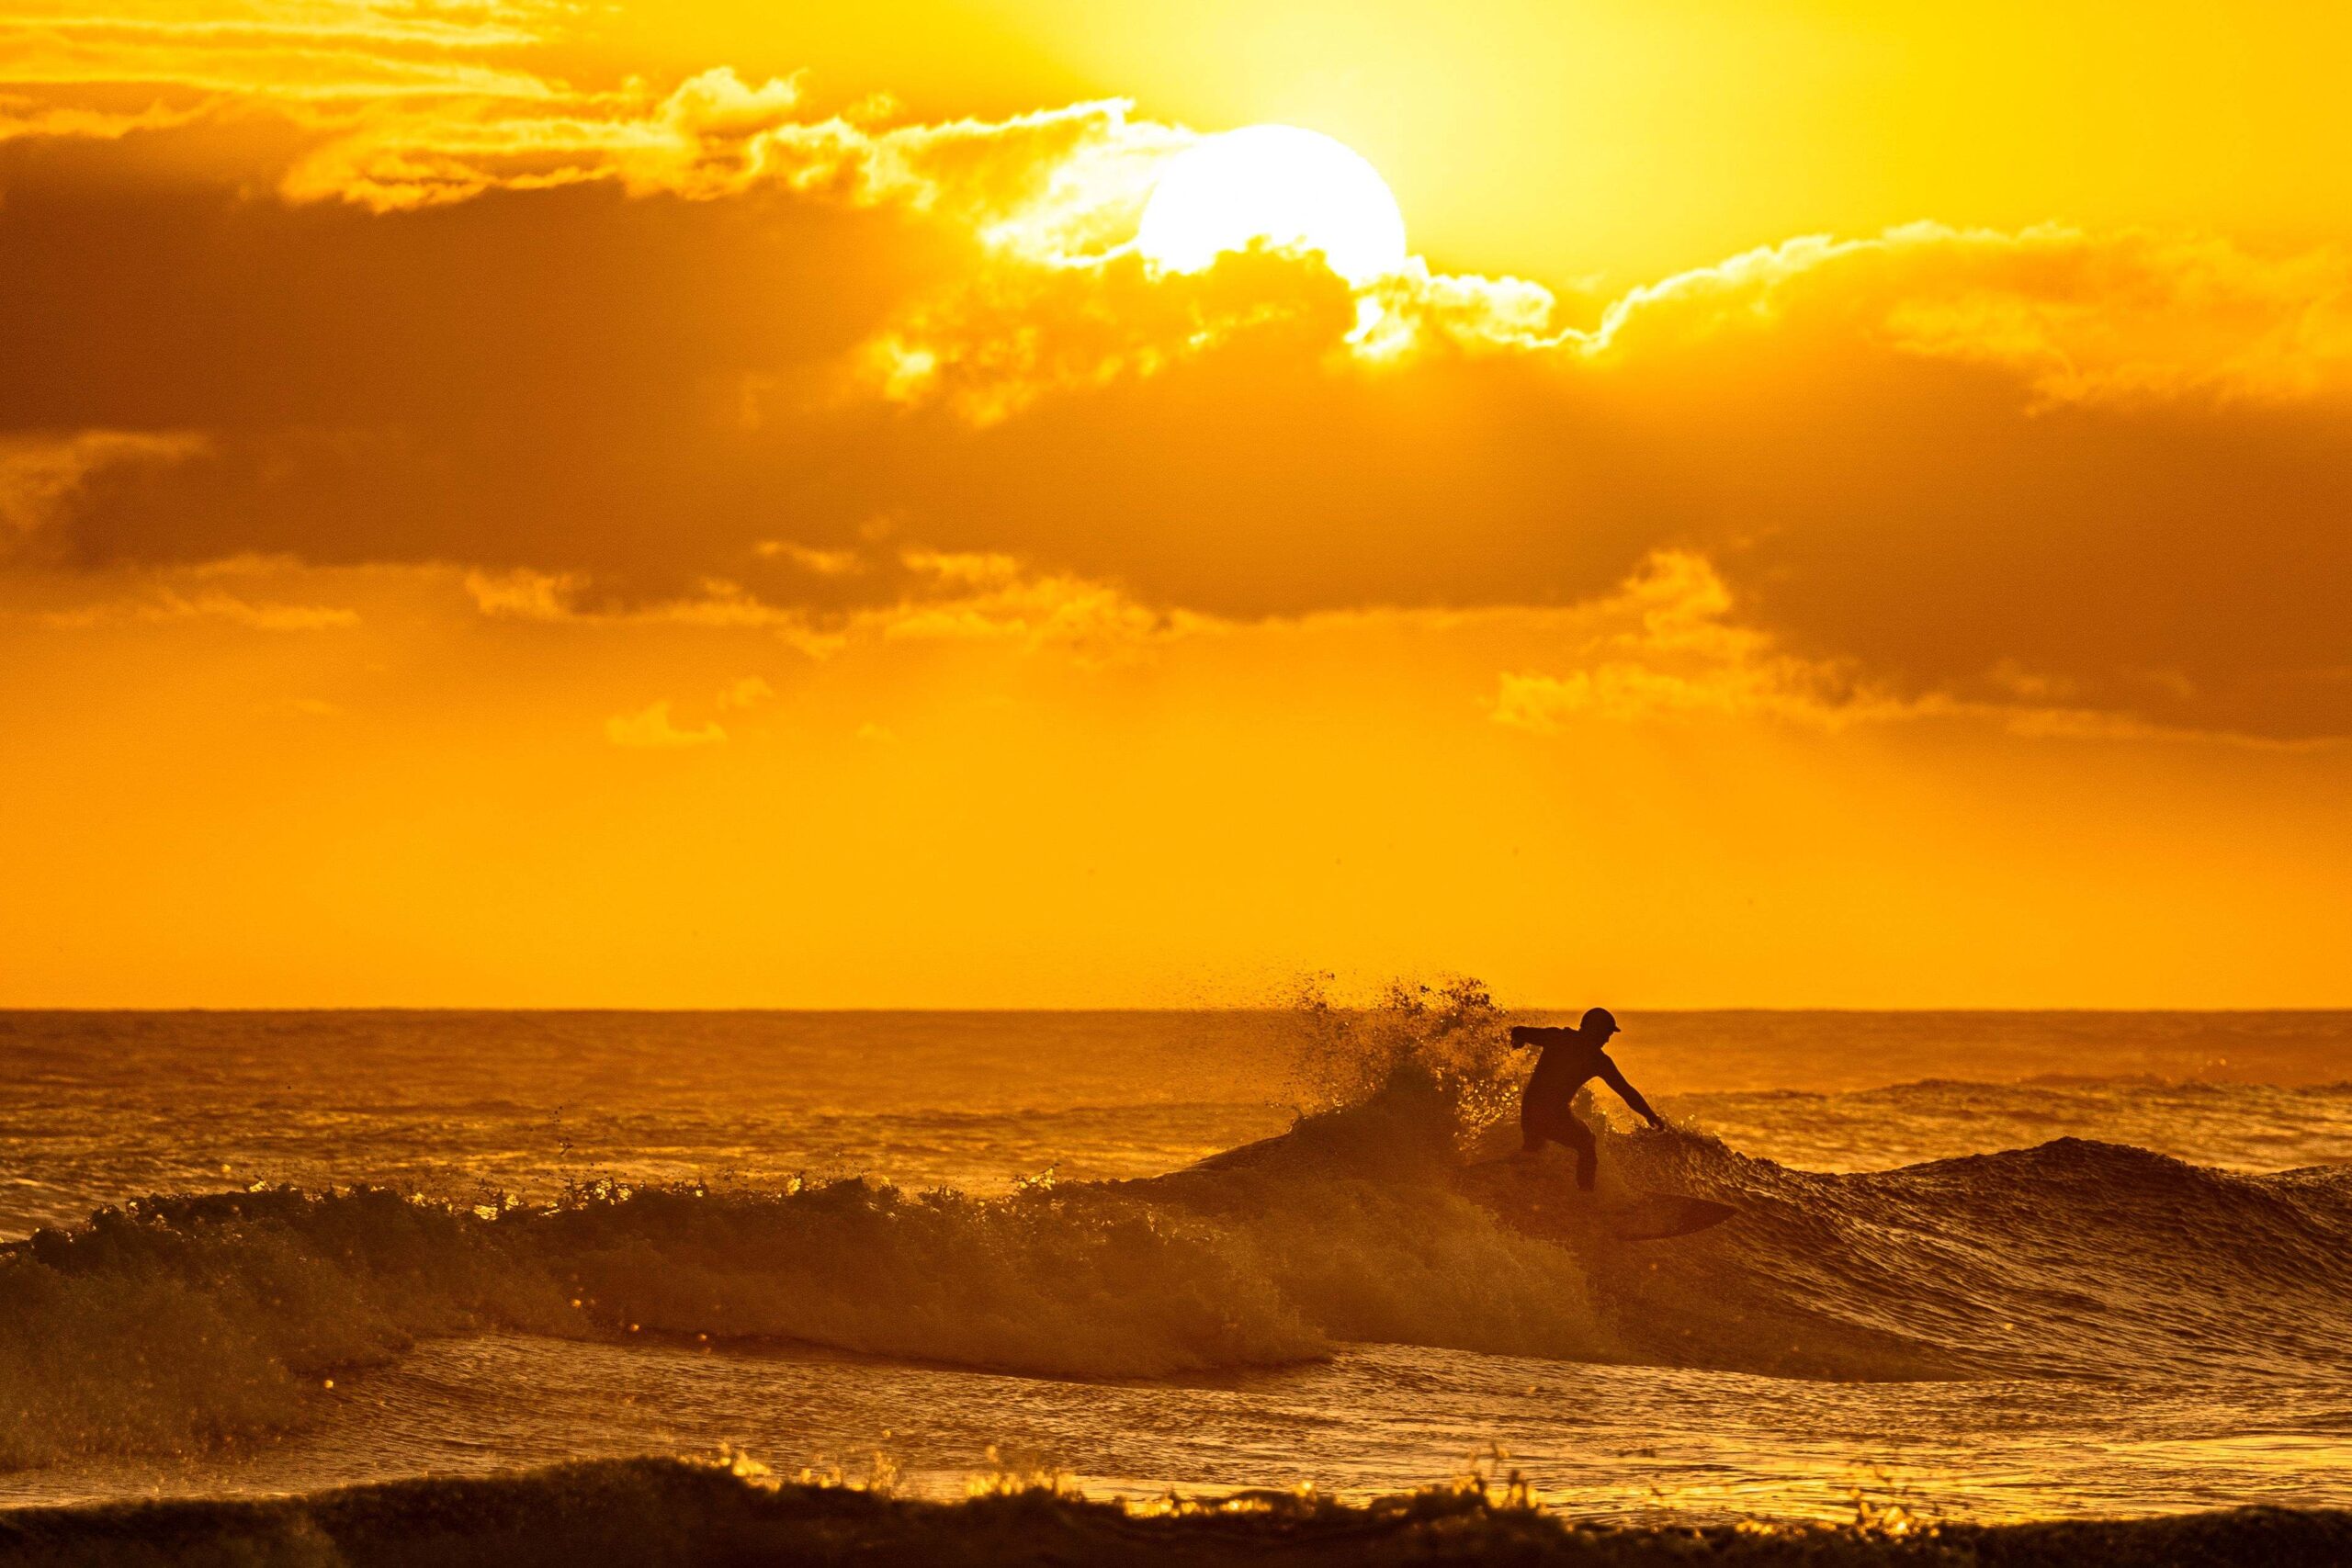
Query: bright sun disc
x=1276, y=183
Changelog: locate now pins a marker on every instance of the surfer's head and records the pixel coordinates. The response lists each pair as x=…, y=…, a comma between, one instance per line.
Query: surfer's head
x=1598, y=1024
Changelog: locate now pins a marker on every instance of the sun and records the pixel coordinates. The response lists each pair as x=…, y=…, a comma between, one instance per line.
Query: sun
x=1291, y=187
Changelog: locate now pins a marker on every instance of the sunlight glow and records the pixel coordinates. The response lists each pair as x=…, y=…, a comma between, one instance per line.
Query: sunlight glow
x=1291, y=187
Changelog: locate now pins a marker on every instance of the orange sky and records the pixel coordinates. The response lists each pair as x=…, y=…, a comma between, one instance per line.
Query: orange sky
x=701, y=506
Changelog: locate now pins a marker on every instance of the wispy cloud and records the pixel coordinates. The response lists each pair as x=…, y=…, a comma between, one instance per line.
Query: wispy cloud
x=750, y=692
x=169, y=605
x=653, y=728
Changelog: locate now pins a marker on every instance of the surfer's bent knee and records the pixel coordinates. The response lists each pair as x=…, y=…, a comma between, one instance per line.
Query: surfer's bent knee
x=1578, y=1136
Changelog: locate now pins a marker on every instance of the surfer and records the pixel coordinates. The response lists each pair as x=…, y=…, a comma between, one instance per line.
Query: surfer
x=1571, y=1058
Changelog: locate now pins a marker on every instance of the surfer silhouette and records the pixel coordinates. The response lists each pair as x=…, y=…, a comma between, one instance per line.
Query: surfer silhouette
x=1571, y=1058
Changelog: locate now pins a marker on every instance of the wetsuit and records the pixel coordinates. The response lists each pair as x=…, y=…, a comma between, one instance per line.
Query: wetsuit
x=1568, y=1062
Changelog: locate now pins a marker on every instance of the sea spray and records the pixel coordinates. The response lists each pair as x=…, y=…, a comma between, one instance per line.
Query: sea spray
x=1446, y=1036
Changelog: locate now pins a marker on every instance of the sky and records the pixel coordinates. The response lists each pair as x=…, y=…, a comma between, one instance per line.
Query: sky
x=707, y=504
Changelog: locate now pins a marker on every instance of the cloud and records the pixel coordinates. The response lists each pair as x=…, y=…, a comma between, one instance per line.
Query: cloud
x=693, y=351
x=23, y=117
x=41, y=473
x=2127, y=487
x=932, y=596
x=993, y=346
x=400, y=111
x=2080, y=318
x=992, y=597
x=652, y=728
x=817, y=563
x=295, y=50
x=749, y=692
x=163, y=604
x=1666, y=647
x=523, y=594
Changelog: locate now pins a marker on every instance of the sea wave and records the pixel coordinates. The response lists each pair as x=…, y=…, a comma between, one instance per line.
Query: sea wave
x=2238, y=1126
x=178, y=1321
x=181, y=1320
x=2072, y=1259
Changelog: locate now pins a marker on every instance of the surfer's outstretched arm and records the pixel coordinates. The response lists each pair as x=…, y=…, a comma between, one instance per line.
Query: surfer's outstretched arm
x=1627, y=1092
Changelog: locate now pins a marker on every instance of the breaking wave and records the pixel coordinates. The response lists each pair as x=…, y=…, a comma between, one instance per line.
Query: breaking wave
x=177, y=1320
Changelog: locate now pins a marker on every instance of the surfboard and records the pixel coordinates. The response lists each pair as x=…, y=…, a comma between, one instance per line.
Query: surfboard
x=1539, y=1203
x=1655, y=1216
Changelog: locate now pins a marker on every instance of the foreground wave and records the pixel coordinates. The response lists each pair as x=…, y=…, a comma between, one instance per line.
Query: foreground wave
x=622, y=1514
x=185, y=1320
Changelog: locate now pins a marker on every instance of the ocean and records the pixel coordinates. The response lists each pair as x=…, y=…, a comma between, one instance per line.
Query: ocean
x=1986, y=1267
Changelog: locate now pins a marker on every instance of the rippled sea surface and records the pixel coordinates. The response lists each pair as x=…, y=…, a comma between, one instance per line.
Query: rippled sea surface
x=1987, y=1265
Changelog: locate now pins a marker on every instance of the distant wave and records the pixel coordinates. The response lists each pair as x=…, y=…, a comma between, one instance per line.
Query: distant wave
x=2240, y=1126
x=634, y=1512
